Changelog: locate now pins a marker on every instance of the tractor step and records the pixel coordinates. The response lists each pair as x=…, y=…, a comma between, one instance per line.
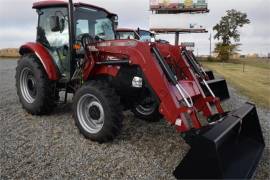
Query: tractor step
x=219, y=88
x=228, y=150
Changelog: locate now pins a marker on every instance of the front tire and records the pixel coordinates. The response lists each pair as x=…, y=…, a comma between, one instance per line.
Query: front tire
x=97, y=111
x=35, y=91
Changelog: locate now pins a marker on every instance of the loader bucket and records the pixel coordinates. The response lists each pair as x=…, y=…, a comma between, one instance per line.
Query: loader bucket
x=230, y=149
x=210, y=74
x=219, y=88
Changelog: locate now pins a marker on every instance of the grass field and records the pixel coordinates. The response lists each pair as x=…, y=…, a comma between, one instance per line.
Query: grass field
x=250, y=77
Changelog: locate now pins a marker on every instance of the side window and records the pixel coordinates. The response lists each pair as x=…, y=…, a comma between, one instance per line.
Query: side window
x=82, y=27
x=45, y=35
x=104, y=27
x=145, y=36
x=126, y=35
x=53, y=34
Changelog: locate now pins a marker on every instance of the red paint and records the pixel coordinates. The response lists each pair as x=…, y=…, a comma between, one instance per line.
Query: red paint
x=169, y=97
x=54, y=3
x=141, y=55
x=49, y=3
x=44, y=57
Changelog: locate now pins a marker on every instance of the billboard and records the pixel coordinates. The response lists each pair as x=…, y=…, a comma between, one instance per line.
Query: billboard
x=177, y=21
x=178, y=4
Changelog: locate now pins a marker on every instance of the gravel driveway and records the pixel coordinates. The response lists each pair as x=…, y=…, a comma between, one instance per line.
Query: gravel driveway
x=50, y=146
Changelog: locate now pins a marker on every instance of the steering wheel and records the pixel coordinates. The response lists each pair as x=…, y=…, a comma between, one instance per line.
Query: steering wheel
x=86, y=39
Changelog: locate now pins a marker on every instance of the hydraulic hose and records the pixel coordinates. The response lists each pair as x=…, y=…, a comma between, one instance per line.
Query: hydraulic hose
x=169, y=74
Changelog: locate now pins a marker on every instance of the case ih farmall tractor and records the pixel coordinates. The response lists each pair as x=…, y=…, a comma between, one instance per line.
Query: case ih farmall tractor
x=76, y=52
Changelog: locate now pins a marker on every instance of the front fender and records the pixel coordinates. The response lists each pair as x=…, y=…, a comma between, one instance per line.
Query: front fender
x=44, y=56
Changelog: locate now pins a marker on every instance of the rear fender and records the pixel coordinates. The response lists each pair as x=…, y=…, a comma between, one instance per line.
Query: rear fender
x=43, y=55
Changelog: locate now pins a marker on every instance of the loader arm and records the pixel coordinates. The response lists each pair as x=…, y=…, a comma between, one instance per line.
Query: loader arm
x=212, y=145
x=140, y=54
x=176, y=96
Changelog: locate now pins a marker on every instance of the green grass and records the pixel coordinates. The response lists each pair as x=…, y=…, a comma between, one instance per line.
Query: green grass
x=254, y=82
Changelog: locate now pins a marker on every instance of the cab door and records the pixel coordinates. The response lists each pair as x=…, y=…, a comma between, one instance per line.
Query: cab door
x=53, y=34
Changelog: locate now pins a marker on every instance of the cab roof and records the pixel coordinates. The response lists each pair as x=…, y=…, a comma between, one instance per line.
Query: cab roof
x=56, y=3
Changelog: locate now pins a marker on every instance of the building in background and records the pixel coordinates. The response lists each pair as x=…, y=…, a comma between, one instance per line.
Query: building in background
x=9, y=52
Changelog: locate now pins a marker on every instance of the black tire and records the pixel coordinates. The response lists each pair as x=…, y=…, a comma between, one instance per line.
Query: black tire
x=145, y=114
x=42, y=99
x=147, y=108
x=108, y=111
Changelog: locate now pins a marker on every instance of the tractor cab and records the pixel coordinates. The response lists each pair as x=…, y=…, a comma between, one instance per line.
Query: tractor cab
x=127, y=34
x=146, y=36
x=58, y=30
x=139, y=34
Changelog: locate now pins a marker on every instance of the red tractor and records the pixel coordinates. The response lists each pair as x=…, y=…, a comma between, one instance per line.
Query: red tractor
x=76, y=51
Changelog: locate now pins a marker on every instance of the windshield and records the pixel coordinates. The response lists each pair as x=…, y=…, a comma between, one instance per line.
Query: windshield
x=146, y=35
x=126, y=35
x=94, y=22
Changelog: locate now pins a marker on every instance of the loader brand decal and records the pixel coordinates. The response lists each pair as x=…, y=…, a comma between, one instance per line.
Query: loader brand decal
x=118, y=43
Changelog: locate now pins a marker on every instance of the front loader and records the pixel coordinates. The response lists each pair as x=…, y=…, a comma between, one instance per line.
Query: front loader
x=218, y=86
x=77, y=52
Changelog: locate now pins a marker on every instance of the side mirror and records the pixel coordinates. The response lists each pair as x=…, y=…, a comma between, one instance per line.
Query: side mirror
x=56, y=24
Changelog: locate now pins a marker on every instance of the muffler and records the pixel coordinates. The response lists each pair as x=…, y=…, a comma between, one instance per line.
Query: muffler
x=219, y=88
x=229, y=149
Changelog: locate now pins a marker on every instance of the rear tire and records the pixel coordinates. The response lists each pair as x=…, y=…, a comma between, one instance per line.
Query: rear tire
x=97, y=111
x=35, y=91
x=147, y=109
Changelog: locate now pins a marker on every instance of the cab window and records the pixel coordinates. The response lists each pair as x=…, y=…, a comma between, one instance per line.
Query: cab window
x=53, y=34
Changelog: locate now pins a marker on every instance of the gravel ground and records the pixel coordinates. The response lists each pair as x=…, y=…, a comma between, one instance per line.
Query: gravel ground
x=51, y=147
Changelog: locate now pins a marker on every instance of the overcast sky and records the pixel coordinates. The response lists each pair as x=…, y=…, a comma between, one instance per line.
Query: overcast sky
x=18, y=21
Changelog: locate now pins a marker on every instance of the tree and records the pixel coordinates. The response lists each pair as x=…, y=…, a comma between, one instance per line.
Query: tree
x=225, y=51
x=227, y=30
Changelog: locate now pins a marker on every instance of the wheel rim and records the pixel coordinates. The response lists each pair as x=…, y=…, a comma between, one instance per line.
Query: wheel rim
x=28, y=85
x=147, y=109
x=90, y=113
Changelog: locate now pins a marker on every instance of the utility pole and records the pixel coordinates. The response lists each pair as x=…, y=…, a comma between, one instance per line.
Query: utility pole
x=176, y=38
x=210, y=50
